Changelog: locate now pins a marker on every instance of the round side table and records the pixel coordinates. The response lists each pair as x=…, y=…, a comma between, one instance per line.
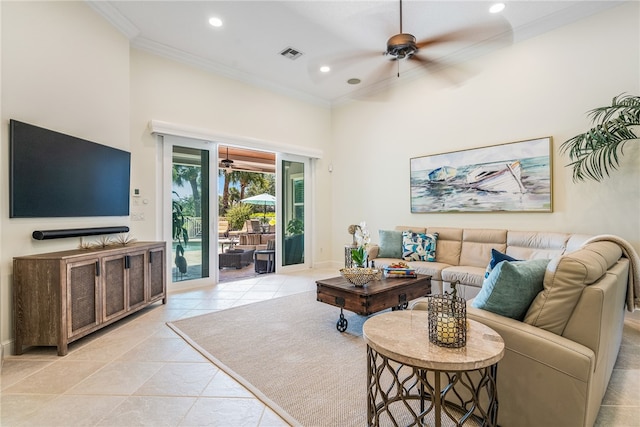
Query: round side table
x=412, y=381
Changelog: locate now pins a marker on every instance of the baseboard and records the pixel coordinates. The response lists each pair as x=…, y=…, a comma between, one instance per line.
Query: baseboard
x=5, y=348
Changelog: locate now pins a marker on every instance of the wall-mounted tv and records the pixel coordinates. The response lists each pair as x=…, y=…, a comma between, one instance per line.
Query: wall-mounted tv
x=56, y=175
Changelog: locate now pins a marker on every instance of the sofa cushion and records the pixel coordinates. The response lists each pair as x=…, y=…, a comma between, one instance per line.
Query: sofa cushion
x=419, y=246
x=496, y=258
x=464, y=274
x=477, y=244
x=390, y=244
x=564, y=281
x=535, y=244
x=511, y=287
x=430, y=268
x=449, y=244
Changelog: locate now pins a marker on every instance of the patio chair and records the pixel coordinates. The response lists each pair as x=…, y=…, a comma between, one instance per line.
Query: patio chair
x=255, y=226
x=265, y=259
x=243, y=231
x=223, y=229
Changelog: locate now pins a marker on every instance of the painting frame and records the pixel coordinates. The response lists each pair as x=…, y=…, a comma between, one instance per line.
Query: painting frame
x=510, y=177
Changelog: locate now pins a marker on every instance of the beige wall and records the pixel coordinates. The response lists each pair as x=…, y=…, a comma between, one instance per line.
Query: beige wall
x=63, y=68
x=536, y=88
x=66, y=69
x=165, y=90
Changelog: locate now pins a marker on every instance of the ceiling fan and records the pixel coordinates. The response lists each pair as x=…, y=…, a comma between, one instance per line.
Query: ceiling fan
x=227, y=163
x=402, y=45
x=405, y=46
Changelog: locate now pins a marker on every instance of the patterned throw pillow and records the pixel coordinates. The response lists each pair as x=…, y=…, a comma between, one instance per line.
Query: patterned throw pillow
x=419, y=246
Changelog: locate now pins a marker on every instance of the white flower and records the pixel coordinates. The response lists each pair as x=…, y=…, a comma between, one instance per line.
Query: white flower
x=363, y=238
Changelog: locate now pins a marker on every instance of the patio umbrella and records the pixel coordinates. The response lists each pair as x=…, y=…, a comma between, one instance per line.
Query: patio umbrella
x=263, y=199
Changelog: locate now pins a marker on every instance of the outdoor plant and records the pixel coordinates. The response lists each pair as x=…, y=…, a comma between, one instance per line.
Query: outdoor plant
x=179, y=229
x=237, y=215
x=595, y=153
x=295, y=226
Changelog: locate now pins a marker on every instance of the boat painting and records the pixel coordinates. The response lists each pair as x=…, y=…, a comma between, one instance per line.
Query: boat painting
x=505, y=180
x=444, y=173
x=513, y=177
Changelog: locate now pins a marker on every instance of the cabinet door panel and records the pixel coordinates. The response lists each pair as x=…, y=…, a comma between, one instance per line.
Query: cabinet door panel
x=83, y=296
x=114, y=286
x=136, y=274
x=156, y=274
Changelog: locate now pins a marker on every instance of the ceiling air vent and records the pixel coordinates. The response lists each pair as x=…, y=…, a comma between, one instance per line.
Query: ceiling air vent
x=291, y=53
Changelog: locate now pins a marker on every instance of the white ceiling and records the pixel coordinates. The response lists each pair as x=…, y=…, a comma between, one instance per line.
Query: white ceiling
x=349, y=35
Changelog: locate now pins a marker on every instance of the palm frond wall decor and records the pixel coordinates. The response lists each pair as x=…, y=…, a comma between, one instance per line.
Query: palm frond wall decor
x=596, y=153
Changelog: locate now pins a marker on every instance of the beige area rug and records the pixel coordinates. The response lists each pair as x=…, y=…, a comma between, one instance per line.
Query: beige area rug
x=288, y=352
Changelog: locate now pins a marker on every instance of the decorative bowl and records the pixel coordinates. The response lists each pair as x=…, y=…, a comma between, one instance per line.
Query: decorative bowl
x=360, y=276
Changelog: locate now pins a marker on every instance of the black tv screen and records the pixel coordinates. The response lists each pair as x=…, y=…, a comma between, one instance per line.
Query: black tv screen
x=56, y=175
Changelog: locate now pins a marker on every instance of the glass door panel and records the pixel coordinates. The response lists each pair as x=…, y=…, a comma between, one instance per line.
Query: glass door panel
x=190, y=213
x=293, y=212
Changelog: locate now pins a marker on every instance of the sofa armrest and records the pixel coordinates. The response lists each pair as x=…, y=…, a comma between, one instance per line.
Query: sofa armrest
x=544, y=347
x=544, y=378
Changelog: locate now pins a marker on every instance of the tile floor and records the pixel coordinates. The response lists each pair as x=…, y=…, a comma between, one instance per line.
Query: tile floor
x=139, y=372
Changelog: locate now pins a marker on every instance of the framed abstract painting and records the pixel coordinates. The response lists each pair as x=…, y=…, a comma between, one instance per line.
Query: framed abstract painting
x=512, y=177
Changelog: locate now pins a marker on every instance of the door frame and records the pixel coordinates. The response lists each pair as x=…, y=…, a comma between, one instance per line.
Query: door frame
x=162, y=129
x=308, y=217
x=169, y=141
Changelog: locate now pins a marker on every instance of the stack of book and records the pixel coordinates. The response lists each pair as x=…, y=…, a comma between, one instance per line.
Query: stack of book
x=399, y=273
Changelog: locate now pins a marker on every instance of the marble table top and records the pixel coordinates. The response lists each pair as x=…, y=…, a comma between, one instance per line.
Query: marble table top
x=404, y=337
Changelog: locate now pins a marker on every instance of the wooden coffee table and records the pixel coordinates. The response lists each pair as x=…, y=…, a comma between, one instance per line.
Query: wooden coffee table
x=373, y=297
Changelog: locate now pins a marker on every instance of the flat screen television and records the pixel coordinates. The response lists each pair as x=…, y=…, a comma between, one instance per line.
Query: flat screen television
x=56, y=175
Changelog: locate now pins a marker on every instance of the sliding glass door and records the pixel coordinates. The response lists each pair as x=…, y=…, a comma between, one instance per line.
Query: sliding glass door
x=293, y=208
x=187, y=186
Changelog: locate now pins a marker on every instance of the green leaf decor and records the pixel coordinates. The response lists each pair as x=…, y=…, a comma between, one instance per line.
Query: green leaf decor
x=596, y=153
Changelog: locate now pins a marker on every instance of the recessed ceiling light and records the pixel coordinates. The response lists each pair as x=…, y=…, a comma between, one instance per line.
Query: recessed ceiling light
x=215, y=21
x=325, y=69
x=353, y=81
x=497, y=8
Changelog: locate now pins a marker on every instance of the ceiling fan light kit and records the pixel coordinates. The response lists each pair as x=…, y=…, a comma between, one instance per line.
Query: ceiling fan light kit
x=227, y=163
x=401, y=46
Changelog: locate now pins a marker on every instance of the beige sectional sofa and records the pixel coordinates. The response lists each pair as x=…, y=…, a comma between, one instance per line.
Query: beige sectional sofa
x=559, y=358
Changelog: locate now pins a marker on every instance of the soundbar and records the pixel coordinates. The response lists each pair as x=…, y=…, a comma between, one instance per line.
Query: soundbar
x=76, y=232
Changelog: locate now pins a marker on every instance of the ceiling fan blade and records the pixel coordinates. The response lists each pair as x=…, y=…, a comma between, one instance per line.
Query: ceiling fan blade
x=494, y=32
x=447, y=72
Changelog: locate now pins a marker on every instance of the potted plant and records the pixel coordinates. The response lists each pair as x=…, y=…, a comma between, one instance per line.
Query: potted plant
x=294, y=242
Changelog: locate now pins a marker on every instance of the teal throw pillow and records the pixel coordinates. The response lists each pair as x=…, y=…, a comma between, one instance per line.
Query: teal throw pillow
x=390, y=244
x=419, y=246
x=496, y=258
x=511, y=287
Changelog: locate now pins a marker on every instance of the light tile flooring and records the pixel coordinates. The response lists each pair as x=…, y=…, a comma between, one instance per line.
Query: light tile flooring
x=139, y=372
